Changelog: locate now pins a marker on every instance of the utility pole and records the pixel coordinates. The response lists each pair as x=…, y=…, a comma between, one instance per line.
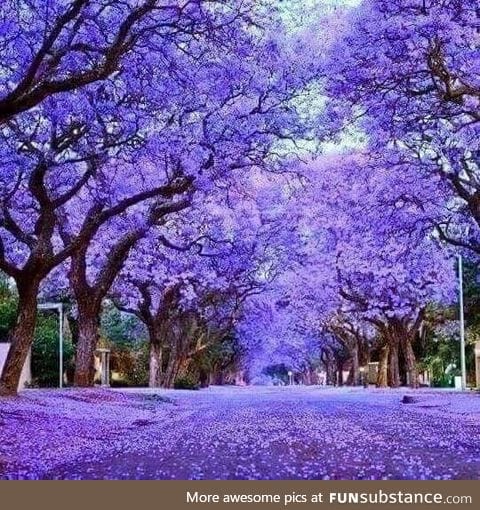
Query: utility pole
x=462, y=323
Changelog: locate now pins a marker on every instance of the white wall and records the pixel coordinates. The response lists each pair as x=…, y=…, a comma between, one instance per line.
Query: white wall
x=26, y=376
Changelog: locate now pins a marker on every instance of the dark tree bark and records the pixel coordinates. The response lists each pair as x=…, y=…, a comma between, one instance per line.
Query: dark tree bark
x=339, y=372
x=328, y=361
x=73, y=327
x=170, y=371
x=393, y=372
x=411, y=362
x=355, y=366
x=20, y=337
x=89, y=298
x=206, y=378
x=397, y=334
x=161, y=330
x=88, y=334
x=382, y=379
x=155, y=364
x=403, y=334
x=351, y=337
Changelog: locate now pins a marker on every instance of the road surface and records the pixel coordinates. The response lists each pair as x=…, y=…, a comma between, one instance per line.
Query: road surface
x=240, y=433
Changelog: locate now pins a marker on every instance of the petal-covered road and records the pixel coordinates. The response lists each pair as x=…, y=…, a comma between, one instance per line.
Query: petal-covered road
x=240, y=433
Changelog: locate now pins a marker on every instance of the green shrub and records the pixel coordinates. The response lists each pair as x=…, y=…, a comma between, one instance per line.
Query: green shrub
x=130, y=363
x=45, y=362
x=443, y=381
x=124, y=335
x=120, y=328
x=186, y=382
x=8, y=308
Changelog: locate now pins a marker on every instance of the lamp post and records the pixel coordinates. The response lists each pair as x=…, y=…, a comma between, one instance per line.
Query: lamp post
x=290, y=377
x=462, y=324
x=59, y=308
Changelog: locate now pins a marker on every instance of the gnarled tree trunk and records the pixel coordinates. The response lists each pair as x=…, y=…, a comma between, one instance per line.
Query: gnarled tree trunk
x=155, y=365
x=89, y=297
x=169, y=375
x=355, y=371
x=382, y=379
x=21, y=338
x=339, y=372
x=410, y=361
x=88, y=327
x=329, y=363
x=393, y=372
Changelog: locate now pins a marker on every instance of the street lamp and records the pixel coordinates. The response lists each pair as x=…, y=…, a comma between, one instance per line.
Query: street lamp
x=290, y=377
x=462, y=323
x=59, y=308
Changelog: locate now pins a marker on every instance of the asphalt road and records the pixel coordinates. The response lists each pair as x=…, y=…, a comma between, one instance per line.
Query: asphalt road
x=287, y=433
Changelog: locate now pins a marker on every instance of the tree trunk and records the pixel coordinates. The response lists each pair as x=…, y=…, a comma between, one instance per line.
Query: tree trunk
x=382, y=380
x=239, y=378
x=219, y=378
x=89, y=301
x=310, y=377
x=204, y=378
x=88, y=326
x=329, y=364
x=411, y=362
x=339, y=373
x=21, y=338
x=363, y=353
x=73, y=327
x=169, y=376
x=155, y=365
x=355, y=372
x=181, y=367
x=393, y=364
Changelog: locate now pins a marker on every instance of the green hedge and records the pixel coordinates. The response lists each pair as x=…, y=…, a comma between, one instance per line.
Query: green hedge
x=45, y=361
x=186, y=382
